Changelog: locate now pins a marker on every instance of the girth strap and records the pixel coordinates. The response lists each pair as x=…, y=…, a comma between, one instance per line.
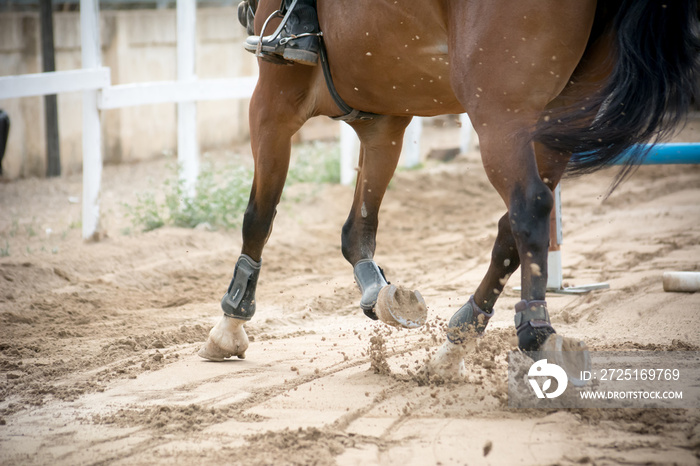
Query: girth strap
x=351, y=114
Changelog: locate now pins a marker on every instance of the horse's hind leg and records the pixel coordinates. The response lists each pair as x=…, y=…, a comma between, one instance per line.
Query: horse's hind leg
x=381, y=141
x=522, y=240
x=271, y=130
x=505, y=260
x=504, y=107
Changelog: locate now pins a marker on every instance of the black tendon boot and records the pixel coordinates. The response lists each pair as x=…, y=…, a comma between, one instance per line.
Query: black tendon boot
x=239, y=300
x=370, y=278
x=532, y=324
x=296, y=42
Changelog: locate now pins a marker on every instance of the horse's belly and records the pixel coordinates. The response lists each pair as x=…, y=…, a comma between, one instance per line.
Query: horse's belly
x=389, y=58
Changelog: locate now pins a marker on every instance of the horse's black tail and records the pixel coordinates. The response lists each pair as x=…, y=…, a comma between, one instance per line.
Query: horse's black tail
x=653, y=82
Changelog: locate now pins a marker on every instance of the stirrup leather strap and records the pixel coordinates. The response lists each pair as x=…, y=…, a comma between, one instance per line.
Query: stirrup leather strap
x=350, y=114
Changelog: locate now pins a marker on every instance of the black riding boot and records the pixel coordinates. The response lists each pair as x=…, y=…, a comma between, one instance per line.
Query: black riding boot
x=297, y=41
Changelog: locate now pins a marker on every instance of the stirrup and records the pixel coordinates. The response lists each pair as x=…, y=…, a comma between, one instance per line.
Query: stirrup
x=278, y=31
x=296, y=39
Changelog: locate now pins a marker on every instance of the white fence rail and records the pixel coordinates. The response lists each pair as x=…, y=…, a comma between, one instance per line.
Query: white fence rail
x=129, y=95
x=98, y=94
x=54, y=82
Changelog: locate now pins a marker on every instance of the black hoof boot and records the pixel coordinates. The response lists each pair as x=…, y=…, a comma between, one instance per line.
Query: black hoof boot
x=469, y=321
x=532, y=325
x=370, y=278
x=538, y=340
x=239, y=300
x=297, y=42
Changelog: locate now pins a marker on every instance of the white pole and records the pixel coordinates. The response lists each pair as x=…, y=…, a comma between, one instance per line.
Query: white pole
x=465, y=133
x=187, y=149
x=411, y=143
x=681, y=281
x=555, y=278
x=557, y=206
x=349, y=152
x=92, y=131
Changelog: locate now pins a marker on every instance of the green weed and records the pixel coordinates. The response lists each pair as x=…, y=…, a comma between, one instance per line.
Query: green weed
x=315, y=162
x=147, y=213
x=14, y=228
x=219, y=201
x=221, y=196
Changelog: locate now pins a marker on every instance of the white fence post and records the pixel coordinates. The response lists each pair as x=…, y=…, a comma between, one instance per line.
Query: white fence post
x=350, y=148
x=187, y=147
x=411, y=143
x=349, y=152
x=465, y=133
x=92, y=130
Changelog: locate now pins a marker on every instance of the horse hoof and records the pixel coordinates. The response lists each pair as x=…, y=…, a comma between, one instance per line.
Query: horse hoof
x=447, y=363
x=226, y=339
x=400, y=307
x=570, y=354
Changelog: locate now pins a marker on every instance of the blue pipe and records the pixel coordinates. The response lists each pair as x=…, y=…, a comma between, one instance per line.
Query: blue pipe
x=671, y=153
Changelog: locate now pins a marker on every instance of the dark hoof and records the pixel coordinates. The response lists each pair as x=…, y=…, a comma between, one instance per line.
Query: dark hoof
x=570, y=354
x=400, y=307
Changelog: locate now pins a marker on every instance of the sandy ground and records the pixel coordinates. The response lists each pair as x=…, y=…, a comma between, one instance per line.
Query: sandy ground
x=98, y=345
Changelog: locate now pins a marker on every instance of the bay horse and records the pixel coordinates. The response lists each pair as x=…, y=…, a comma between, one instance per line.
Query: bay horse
x=550, y=86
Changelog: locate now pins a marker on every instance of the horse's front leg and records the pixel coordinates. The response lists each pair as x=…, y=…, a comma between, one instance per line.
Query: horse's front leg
x=381, y=141
x=271, y=130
